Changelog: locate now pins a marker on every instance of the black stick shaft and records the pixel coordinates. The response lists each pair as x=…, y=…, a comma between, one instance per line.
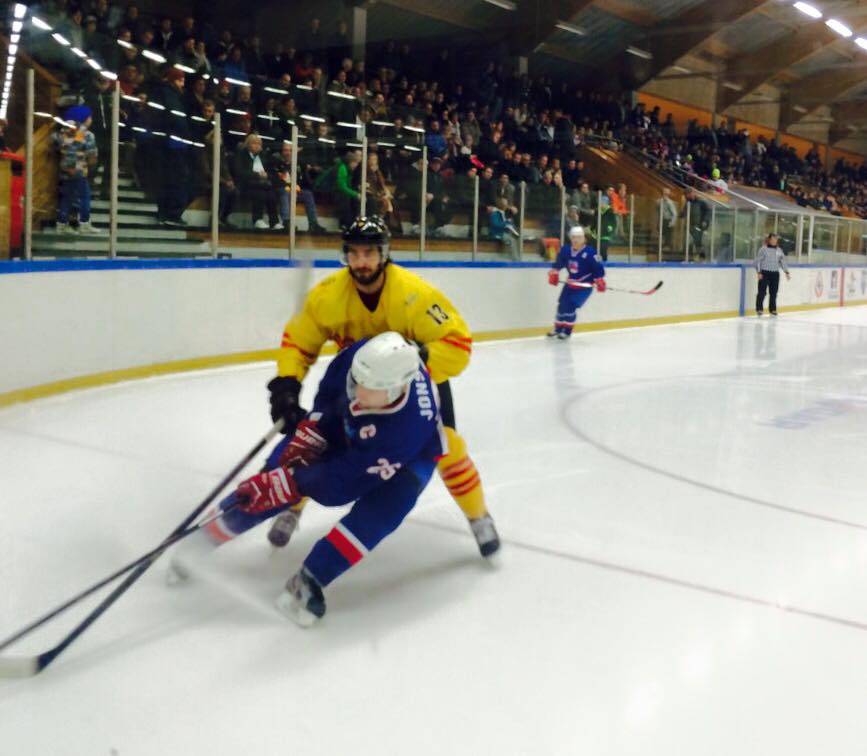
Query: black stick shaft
x=141, y=565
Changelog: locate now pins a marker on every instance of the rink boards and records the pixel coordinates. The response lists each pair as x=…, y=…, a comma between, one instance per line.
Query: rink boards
x=67, y=325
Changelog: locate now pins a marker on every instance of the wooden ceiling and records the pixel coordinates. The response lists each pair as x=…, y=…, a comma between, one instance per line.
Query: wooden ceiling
x=750, y=42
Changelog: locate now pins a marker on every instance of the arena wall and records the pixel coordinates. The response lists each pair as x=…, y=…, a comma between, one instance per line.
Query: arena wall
x=67, y=325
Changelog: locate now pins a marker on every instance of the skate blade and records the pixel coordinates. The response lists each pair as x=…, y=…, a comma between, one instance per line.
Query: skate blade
x=289, y=607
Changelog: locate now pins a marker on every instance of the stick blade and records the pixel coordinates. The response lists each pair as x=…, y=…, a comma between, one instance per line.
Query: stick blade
x=16, y=667
x=657, y=287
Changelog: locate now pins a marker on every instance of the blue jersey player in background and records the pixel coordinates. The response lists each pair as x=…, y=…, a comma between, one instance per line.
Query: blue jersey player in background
x=584, y=271
x=373, y=437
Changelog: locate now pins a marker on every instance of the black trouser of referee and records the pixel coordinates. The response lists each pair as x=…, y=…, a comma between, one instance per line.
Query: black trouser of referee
x=769, y=280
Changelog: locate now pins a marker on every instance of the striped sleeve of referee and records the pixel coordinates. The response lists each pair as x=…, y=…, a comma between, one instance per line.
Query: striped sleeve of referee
x=771, y=259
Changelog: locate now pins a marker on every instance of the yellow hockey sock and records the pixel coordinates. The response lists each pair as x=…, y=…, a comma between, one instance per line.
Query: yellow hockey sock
x=461, y=477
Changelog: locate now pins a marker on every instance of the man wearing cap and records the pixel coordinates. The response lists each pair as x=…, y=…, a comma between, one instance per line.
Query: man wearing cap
x=78, y=154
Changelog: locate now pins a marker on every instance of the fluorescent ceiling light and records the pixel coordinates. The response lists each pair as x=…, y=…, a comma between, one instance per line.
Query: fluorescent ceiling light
x=237, y=82
x=312, y=118
x=178, y=113
x=20, y=10
x=414, y=128
x=680, y=69
x=235, y=111
x=156, y=105
x=839, y=27
x=17, y=26
x=347, y=125
x=733, y=85
x=799, y=108
x=124, y=43
x=185, y=69
x=383, y=123
x=93, y=64
x=274, y=90
x=571, y=28
x=153, y=56
x=504, y=4
x=809, y=10
x=639, y=53
x=80, y=53
x=341, y=95
x=861, y=42
x=61, y=39
x=13, y=50
x=39, y=23
x=108, y=75
x=15, y=39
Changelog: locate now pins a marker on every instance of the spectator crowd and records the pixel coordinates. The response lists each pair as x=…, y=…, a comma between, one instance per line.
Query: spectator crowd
x=502, y=127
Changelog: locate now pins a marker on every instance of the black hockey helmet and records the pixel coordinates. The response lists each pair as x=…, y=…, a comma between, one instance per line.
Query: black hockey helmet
x=367, y=229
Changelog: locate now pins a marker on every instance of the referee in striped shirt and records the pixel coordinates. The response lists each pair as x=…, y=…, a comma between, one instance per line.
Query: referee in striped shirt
x=769, y=259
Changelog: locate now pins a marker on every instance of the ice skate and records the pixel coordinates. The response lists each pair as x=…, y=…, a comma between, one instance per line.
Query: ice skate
x=486, y=535
x=282, y=528
x=302, y=600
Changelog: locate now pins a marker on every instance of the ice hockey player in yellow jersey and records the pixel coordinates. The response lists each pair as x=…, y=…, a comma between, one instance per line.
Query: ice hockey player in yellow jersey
x=369, y=296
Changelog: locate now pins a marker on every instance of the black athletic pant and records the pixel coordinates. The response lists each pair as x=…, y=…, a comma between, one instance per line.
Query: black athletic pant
x=770, y=281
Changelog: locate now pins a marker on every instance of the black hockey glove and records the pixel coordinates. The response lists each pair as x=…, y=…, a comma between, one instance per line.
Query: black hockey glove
x=284, y=402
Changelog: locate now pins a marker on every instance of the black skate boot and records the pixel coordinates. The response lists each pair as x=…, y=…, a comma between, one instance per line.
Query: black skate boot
x=302, y=601
x=486, y=535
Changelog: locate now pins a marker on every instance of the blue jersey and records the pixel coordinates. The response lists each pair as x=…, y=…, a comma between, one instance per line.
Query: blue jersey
x=582, y=266
x=367, y=447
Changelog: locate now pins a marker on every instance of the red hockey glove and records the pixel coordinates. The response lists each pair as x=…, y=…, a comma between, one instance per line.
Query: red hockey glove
x=600, y=284
x=306, y=446
x=553, y=277
x=268, y=490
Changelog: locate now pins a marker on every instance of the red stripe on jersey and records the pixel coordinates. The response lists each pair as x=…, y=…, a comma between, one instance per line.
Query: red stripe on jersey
x=458, y=344
x=455, y=465
x=455, y=471
x=465, y=488
x=343, y=546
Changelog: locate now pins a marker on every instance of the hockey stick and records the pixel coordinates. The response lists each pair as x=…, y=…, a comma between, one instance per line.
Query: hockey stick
x=28, y=666
x=615, y=288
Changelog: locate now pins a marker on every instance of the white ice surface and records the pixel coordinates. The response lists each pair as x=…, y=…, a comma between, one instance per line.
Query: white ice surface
x=683, y=570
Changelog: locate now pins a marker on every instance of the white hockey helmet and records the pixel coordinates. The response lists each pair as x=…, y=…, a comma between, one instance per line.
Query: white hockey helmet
x=576, y=232
x=388, y=361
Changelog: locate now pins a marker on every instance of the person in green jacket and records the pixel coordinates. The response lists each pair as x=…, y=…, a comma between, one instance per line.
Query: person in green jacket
x=346, y=196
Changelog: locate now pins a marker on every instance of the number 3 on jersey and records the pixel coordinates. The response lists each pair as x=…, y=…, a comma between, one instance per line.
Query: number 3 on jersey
x=438, y=314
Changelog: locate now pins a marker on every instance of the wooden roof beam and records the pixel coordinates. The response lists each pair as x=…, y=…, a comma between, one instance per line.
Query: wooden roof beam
x=536, y=20
x=820, y=89
x=750, y=71
x=669, y=40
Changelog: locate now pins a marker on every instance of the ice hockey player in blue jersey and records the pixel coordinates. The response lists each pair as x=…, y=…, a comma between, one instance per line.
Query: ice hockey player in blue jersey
x=373, y=437
x=585, y=271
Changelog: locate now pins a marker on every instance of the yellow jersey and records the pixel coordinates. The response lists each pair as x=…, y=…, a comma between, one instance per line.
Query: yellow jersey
x=407, y=304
